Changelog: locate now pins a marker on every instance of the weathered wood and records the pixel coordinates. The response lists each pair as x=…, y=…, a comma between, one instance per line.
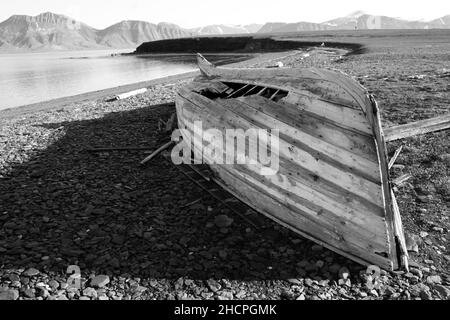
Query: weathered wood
x=291, y=217
x=299, y=174
x=392, y=220
x=321, y=128
x=400, y=236
x=333, y=182
x=302, y=158
x=394, y=157
x=401, y=180
x=106, y=149
x=157, y=152
x=418, y=127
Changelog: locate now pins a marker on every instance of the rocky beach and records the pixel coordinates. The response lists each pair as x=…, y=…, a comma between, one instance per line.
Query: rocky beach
x=148, y=232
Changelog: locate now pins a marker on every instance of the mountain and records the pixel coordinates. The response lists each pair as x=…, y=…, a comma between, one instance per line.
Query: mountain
x=271, y=27
x=127, y=34
x=443, y=22
x=359, y=20
x=218, y=29
x=46, y=31
x=49, y=31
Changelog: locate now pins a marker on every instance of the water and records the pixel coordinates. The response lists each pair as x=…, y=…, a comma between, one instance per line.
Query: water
x=36, y=77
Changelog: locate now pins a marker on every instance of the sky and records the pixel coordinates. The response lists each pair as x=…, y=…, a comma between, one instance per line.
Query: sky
x=194, y=13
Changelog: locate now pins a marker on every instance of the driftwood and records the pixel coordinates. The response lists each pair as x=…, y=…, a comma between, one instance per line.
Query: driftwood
x=401, y=180
x=416, y=128
x=157, y=152
x=394, y=158
x=118, y=149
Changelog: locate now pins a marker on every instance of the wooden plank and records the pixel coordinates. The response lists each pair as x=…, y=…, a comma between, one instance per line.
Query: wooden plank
x=157, y=152
x=340, y=116
x=302, y=79
x=394, y=158
x=299, y=222
x=316, y=201
x=374, y=115
x=418, y=127
x=245, y=87
x=401, y=180
x=399, y=233
x=340, y=157
x=359, y=144
x=352, y=183
x=342, y=240
x=296, y=173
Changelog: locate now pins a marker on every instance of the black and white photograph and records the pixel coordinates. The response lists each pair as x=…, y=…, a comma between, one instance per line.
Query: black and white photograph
x=224, y=157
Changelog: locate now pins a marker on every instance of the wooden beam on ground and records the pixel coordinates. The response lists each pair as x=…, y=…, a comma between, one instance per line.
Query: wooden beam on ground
x=107, y=149
x=394, y=158
x=418, y=127
x=157, y=152
x=401, y=180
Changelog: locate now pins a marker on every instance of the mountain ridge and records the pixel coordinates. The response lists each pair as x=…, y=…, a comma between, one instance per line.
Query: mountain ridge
x=357, y=20
x=51, y=31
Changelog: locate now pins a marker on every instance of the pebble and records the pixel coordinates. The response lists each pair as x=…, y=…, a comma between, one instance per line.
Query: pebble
x=9, y=294
x=90, y=292
x=31, y=272
x=344, y=273
x=223, y=221
x=434, y=279
x=100, y=281
x=295, y=282
x=443, y=291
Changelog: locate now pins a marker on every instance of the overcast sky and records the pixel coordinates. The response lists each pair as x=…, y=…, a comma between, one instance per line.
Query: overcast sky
x=193, y=13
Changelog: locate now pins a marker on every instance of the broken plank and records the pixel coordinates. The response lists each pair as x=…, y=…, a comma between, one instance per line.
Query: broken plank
x=401, y=180
x=158, y=151
x=418, y=127
x=107, y=149
x=394, y=158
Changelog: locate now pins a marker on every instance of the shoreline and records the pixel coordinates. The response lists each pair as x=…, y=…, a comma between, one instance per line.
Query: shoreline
x=63, y=102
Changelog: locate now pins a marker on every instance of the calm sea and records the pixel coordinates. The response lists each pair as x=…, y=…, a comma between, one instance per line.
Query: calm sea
x=36, y=77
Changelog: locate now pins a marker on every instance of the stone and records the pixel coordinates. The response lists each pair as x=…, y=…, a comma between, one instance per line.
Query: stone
x=295, y=282
x=100, y=281
x=31, y=272
x=417, y=272
x=90, y=292
x=443, y=291
x=223, y=221
x=344, y=273
x=425, y=295
x=225, y=295
x=9, y=294
x=28, y=293
x=301, y=297
x=434, y=280
x=320, y=264
x=53, y=284
x=213, y=285
x=14, y=277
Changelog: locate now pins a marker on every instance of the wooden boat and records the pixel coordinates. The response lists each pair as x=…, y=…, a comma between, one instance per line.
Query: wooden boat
x=333, y=185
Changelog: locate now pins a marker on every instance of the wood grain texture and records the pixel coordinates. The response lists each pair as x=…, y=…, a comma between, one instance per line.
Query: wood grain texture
x=418, y=127
x=333, y=182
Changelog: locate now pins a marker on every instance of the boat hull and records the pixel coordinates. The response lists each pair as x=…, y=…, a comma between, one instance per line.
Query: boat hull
x=330, y=185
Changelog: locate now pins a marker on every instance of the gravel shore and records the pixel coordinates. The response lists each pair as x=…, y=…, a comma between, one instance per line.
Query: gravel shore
x=132, y=234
